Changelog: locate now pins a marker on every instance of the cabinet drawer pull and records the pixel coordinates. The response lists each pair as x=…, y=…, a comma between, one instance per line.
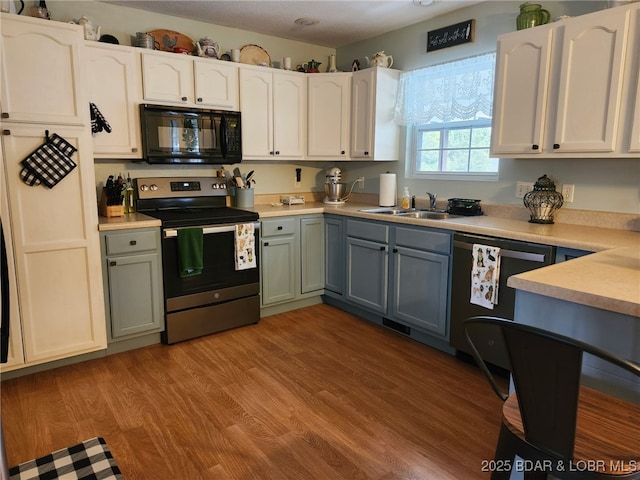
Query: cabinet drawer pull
x=382, y=249
x=5, y=115
x=184, y=99
x=535, y=147
x=134, y=150
x=366, y=153
x=266, y=244
x=556, y=146
x=199, y=100
x=113, y=263
x=6, y=132
x=132, y=242
x=279, y=227
x=395, y=250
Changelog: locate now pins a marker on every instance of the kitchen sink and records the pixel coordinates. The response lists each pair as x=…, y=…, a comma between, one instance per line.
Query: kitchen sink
x=423, y=214
x=384, y=210
x=426, y=214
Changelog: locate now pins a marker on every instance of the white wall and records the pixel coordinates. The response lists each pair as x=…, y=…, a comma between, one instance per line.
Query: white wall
x=603, y=185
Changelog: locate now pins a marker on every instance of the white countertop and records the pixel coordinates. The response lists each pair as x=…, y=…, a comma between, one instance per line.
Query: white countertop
x=608, y=280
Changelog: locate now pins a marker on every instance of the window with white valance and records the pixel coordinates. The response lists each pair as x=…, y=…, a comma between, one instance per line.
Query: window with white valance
x=447, y=108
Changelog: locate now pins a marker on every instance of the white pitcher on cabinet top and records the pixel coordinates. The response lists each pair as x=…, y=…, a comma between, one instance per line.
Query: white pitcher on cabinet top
x=380, y=60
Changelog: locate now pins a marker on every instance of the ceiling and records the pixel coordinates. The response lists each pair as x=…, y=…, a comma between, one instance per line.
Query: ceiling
x=340, y=22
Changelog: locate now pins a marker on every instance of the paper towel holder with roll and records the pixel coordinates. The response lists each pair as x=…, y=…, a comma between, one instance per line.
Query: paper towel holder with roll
x=388, y=190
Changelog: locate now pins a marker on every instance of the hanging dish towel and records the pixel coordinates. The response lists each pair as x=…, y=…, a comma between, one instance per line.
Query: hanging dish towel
x=49, y=163
x=98, y=122
x=245, y=246
x=485, y=276
x=190, y=241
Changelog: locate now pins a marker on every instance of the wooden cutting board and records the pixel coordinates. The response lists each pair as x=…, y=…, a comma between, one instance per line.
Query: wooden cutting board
x=167, y=40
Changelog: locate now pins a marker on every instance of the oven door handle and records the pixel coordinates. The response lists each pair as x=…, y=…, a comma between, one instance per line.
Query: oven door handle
x=173, y=232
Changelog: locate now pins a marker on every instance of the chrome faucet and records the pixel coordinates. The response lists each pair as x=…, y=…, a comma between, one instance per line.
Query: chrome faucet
x=432, y=201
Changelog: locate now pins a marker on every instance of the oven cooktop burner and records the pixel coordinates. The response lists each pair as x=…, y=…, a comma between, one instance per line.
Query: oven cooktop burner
x=191, y=217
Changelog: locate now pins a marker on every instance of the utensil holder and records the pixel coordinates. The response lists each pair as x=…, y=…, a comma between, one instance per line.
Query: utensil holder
x=109, y=210
x=244, y=197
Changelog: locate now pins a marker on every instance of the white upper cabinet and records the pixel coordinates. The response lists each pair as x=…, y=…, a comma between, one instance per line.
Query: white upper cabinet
x=45, y=86
x=189, y=81
x=374, y=134
x=565, y=89
x=274, y=114
x=521, y=86
x=115, y=87
x=329, y=116
x=590, y=83
x=216, y=84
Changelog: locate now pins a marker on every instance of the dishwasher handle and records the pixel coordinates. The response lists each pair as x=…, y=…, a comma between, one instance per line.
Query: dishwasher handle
x=532, y=257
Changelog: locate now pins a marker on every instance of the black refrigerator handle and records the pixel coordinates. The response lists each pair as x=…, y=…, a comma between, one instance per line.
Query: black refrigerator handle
x=4, y=279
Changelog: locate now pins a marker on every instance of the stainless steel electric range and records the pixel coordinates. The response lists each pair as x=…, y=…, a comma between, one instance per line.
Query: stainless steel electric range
x=221, y=297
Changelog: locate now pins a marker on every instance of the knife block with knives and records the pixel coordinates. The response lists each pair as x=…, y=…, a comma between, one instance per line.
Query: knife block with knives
x=107, y=210
x=111, y=199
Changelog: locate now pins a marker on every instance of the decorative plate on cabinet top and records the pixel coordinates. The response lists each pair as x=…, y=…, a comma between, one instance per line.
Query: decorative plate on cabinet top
x=167, y=40
x=254, y=55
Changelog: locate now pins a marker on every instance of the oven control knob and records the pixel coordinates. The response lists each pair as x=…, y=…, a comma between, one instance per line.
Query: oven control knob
x=222, y=185
x=144, y=187
x=153, y=187
x=214, y=186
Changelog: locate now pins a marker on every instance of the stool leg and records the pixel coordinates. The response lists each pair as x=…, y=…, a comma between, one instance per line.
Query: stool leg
x=504, y=456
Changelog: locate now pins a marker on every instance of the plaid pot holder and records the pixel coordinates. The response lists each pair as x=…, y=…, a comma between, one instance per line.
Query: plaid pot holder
x=49, y=163
x=89, y=460
x=98, y=122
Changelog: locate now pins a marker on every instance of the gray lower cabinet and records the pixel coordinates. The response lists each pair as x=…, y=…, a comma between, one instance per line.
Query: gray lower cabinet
x=292, y=258
x=132, y=275
x=420, y=279
x=367, y=264
x=334, y=244
x=400, y=275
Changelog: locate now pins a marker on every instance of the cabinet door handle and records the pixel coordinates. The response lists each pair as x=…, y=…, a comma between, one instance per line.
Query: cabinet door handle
x=199, y=100
x=556, y=146
x=5, y=115
x=134, y=150
x=277, y=152
x=382, y=249
x=535, y=147
x=395, y=250
x=279, y=227
x=366, y=153
x=271, y=152
x=184, y=99
x=6, y=132
x=342, y=152
x=266, y=244
x=133, y=242
x=113, y=263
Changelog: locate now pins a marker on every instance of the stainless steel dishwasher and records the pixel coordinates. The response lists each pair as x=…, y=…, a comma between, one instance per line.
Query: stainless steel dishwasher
x=516, y=257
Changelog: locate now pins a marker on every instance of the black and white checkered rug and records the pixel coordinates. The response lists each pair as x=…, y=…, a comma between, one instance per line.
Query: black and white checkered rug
x=89, y=460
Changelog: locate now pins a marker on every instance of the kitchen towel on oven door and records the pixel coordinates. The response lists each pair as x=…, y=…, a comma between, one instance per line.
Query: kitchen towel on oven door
x=485, y=276
x=245, y=246
x=190, y=251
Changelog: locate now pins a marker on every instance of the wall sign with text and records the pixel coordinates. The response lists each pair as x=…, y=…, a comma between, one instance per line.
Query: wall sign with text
x=457, y=34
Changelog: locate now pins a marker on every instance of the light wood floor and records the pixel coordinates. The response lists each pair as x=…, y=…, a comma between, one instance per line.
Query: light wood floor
x=310, y=394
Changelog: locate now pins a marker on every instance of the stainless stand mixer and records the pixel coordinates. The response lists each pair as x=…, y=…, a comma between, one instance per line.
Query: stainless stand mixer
x=334, y=189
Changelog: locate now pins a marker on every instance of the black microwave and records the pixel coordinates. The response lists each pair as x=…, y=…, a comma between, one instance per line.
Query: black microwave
x=190, y=135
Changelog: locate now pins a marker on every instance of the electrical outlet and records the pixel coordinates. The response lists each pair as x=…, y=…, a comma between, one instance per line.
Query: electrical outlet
x=522, y=188
x=567, y=193
x=361, y=182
